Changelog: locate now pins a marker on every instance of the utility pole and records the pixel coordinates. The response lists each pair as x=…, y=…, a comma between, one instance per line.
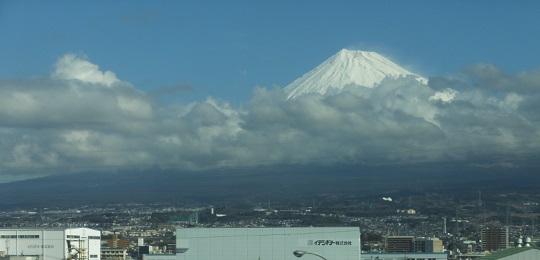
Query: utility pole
x=479, y=198
x=507, y=213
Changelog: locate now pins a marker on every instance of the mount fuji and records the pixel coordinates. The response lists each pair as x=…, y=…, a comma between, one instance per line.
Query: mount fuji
x=348, y=68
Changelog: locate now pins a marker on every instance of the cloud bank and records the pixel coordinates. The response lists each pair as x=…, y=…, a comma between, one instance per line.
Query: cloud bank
x=83, y=119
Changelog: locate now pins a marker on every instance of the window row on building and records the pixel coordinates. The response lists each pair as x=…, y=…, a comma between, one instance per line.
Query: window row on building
x=19, y=236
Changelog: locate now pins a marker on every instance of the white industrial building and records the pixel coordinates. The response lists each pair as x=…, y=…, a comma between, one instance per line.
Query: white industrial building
x=50, y=244
x=267, y=243
x=404, y=255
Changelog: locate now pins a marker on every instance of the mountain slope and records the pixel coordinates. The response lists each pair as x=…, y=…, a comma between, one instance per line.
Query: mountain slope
x=346, y=68
x=286, y=184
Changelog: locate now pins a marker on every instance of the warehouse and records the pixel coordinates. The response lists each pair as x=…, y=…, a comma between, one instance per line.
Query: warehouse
x=51, y=244
x=267, y=243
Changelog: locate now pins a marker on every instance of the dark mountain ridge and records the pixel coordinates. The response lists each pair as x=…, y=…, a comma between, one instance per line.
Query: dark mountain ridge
x=285, y=184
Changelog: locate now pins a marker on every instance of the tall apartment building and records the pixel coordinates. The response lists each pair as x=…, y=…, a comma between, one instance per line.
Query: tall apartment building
x=398, y=244
x=494, y=238
x=428, y=245
x=116, y=242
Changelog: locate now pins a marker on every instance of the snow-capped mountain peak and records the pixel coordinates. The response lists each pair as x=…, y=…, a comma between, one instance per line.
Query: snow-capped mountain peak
x=347, y=68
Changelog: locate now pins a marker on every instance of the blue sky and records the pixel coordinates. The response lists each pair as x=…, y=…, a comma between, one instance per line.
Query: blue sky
x=191, y=85
x=225, y=48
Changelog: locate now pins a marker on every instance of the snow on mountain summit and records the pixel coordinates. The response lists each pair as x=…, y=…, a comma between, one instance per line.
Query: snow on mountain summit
x=346, y=68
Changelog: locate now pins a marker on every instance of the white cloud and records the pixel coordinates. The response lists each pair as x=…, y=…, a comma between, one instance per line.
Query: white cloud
x=81, y=118
x=134, y=106
x=445, y=96
x=73, y=67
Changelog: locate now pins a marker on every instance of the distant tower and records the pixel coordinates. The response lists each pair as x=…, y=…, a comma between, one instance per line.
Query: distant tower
x=457, y=224
x=444, y=226
x=533, y=230
x=508, y=214
x=479, y=199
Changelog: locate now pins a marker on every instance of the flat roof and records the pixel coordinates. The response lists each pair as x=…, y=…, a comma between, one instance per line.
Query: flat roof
x=507, y=252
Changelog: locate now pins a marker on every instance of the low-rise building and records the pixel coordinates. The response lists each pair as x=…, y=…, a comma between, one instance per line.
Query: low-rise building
x=264, y=243
x=50, y=244
x=114, y=254
x=403, y=255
